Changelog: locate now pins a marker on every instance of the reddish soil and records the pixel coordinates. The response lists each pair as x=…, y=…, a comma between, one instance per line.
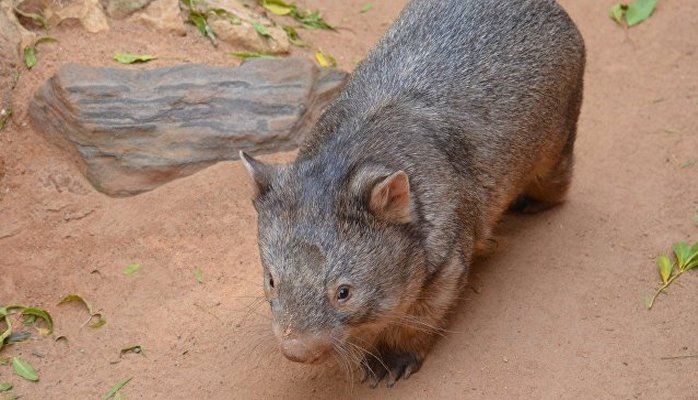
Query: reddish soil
x=556, y=313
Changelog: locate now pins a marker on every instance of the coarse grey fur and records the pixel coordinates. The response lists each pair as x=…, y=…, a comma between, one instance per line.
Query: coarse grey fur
x=477, y=102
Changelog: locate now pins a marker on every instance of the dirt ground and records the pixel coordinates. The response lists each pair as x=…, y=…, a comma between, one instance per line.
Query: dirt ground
x=556, y=313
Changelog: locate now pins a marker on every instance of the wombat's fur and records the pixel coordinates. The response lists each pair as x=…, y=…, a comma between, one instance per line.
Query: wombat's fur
x=463, y=107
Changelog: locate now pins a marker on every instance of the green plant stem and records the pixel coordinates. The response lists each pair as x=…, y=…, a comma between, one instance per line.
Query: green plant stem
x=663, y=288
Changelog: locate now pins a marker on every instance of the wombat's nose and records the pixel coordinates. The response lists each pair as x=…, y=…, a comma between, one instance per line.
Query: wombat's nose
x=305, y=349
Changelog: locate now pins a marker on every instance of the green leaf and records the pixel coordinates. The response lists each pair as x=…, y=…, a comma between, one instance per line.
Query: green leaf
x=76, y=298
x=24, y=369
x=37, y=312
x=5, y=115
x=39, y=19
x=199, y=20
x=116, y=388
x=325, y=60
x=616, y=12
x=8, y=323
x=45, y=39
x=138, y=349
x=131, y=268
x=665, y=267
x=128, y=58
x=639, y=11
x=648, y=302
x=261, y=29
x=199, y=275
x=30, y=56
x=246, y=55
x=227, y=15
x=682, y=251
x=692, y=260
x=366, y=8
x=30, y=51
x=4, y=387
x=293, y=36
x=100, y=322
x=278, y=7
x=311, y=19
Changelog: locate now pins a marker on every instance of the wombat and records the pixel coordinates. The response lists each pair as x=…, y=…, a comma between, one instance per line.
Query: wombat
x=464, y=109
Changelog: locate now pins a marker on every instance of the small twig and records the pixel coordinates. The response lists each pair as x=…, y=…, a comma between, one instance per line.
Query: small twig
x=678, y=357
x=663, y=288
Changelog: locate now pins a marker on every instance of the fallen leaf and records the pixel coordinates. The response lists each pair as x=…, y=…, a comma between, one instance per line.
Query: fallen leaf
x=199, y=20
x=4, y=387
x=227, y=15
x=665, y=267
x=278, y=7
x=682, y=251
x=38, y=19
x=30, y=57
x=199, y=275
x=131, y=349
x=639, y=11
x=245, y=55
x=311, y=19
x=325, y=60
x=43, y=314
x=24, y=369
x=128, y=58
x=101, y=321
x=76, y=297
x=293, y=36
x=366, y=8
x=261, y=29
x=616, y=12
x=116, y=388
x=131, y=268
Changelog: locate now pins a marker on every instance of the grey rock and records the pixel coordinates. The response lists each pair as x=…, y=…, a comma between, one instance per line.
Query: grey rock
x=130, y=131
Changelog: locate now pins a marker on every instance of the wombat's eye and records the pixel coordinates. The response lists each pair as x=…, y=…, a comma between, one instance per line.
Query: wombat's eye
x=271, y=282
x=343, y=293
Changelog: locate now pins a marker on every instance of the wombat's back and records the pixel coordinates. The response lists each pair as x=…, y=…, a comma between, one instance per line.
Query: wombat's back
x=475, y=99
x=491, y=61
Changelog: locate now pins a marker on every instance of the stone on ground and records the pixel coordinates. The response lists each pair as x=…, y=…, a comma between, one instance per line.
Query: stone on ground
x=130, y=131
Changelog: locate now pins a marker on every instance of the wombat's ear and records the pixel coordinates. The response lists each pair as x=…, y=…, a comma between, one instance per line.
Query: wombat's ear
x=390, y=198
x=260, y=173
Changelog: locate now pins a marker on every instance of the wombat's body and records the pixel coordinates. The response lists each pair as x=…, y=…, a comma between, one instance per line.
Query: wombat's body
x=463, y=107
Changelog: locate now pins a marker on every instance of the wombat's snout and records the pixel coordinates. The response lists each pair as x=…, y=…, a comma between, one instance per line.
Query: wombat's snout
x=303, y=348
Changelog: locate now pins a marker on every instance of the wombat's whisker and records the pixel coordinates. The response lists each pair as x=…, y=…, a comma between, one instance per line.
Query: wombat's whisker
x=343, y=355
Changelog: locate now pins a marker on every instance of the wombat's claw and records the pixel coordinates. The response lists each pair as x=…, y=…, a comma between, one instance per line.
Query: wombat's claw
x=391, y=367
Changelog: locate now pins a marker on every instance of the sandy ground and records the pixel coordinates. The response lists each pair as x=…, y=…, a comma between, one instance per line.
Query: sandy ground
x=556, y=313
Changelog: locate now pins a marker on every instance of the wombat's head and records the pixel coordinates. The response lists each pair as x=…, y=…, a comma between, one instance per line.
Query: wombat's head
x=341, y=256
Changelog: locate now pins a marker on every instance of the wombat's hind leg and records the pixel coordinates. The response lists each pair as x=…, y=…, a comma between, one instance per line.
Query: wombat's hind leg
x=546, y=190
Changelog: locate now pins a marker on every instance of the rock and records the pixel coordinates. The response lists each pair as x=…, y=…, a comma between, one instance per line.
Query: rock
x=10, y=62
x=234, y=26
x=130, y=131
x=165, y=16
x=88, y=12
x=123, y=8
x=245, y=37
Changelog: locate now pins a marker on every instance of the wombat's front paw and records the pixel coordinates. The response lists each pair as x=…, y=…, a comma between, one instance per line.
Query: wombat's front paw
x=390, y=365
